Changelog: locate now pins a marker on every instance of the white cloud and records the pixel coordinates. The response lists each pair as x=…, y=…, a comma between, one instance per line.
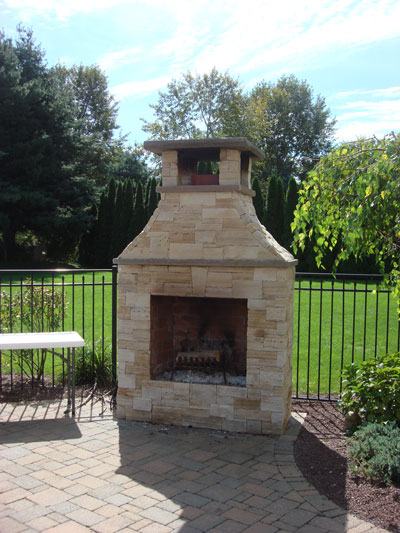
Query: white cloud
x=114, y=60
x=391, y=92
x=139, y=88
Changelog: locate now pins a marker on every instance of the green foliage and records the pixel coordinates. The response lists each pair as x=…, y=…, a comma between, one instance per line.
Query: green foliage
x=94, y=367
x=196, y=106
x=153, y=198
x=350, y=204
x=275, y=209
x=292, y=197
x=372, y=389
x=204, y=167
x=32, y=309
x=258, y=199
x=139, y=218
x=375, y=452
x=39, y=190
x=293, y=128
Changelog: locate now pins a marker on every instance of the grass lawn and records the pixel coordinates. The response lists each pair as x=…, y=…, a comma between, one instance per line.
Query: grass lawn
x=348, y=323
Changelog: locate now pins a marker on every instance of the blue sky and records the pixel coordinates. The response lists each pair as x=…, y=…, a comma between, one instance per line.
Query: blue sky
x=348, y=51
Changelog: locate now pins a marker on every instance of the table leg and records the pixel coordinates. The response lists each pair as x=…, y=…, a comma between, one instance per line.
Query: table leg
x=69, y=378
x=73, y=381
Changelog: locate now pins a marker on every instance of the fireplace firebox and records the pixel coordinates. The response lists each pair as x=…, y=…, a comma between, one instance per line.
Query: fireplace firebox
x=206, y=300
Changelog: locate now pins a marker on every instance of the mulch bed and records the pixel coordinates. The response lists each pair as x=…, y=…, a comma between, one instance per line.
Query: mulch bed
x=320, y=453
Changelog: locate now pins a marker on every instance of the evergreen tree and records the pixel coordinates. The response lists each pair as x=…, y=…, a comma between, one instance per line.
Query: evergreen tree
x=292, y=197
x=153, y=199
x=87, y=244
x=117, y=240
x=146, y=194
x=139, y=214
x=275, y=209
x=258, y=199
x=127, y=212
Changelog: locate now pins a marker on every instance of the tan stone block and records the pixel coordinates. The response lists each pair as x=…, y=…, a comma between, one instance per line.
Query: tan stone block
x=188, y=237
x=124, y=313
x=218, y=292
x=229, y=178
x=219, y=279
x=125, y=355
x=140, y=313
x=184, y=276
x=266, y=429
x=252, y=379
x=125, y=326
x=222, y=411
x=247, y=404
x=138, y=300
x=253, y=427
x=199, y=279
x=218, y=213
x=205, y=198
x=121, y=410
x=234, y=425
x=212, y=252
x=202, y=395
x=226, y=391
x=182, y=389
x=127, y=381
x=227, y=154
x=166, y=415
x=130, y=368
x=240, y=252
x=170, y=181
x=142, y=404
x=178, y=289
x=205, y=237
x=139, y=416
x=151, y=392
x=180, y=269
x=271, y=377
x=267, y=274
x=276, y=313
x=185, y=251
x=246, y=289
x=170, y=156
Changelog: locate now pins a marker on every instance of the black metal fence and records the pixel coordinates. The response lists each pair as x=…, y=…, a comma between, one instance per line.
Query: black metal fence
x=57, y=300
x=336, y=321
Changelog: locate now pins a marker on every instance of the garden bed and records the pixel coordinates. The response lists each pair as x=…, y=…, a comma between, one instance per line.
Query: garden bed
x=321, y=455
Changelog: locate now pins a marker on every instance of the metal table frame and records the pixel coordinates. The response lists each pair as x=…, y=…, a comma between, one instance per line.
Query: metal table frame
x=49, y=341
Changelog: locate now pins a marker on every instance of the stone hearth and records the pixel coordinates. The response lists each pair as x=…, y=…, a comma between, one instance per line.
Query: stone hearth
x=205, y=279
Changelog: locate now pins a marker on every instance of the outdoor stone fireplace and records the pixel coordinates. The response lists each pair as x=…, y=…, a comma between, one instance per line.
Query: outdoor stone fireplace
x=205, y=300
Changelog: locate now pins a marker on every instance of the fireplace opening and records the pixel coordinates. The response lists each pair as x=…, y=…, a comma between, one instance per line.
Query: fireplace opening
x=198, y=340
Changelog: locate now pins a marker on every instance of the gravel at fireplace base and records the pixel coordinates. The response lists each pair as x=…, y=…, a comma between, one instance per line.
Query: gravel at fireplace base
x=197, y=376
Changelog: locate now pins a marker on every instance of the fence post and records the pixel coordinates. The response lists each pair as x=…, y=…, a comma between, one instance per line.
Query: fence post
x=114, y=322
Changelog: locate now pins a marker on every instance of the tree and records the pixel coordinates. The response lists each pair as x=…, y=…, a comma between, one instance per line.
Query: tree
x=210, y=105
x=351, y=205
x=293, y=128
x=139, y=214
x=258, y=199
x=292, y=197
x=129, y=163
x=95, y=114
x=275, y=209
x=38, y=190
x=153, y=199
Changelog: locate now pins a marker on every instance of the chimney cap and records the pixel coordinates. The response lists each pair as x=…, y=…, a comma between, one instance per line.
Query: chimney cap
x=230, y=143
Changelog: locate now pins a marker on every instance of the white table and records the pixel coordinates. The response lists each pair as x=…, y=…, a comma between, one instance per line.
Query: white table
x=48, y=341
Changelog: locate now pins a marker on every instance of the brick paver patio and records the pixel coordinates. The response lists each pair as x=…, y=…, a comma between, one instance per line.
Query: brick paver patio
x=97, y=473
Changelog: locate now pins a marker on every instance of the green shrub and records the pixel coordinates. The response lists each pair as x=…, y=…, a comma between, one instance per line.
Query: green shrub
x=375, y=452
x=94, y=367
x=372, y=389
x=205, y=167
x=32, y=309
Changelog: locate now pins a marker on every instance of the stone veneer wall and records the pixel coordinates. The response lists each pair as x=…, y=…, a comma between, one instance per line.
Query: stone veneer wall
x=263, y=406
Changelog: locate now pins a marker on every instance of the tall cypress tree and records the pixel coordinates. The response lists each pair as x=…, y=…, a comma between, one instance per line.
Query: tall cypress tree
x=139, y=214
x=117, y=233
x=87, y=243
x=275, y=209
x=147, y=193
x=153, y=199
x=128, y=211
x=292, y=197
x=258, y=199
